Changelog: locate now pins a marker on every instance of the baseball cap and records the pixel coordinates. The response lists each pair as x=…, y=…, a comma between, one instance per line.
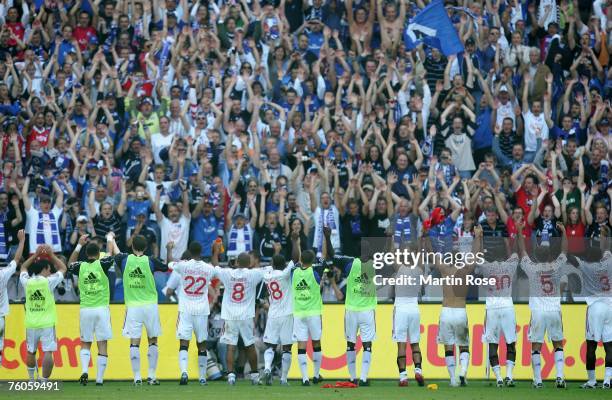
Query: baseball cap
x=146, y=100
x=503, y=88
x=368, y=187
x=239, y=215
x=81, y=218
x=470, y=41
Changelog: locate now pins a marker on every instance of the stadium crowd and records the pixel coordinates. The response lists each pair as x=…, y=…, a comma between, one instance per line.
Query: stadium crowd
x=246, y=126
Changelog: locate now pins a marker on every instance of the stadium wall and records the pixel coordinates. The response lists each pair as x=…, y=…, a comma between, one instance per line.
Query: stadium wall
x=334, y=361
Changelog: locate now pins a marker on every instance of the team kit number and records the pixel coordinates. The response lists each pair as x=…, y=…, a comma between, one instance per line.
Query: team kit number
x=238, y=292
x=275, y=291
x=194, y=286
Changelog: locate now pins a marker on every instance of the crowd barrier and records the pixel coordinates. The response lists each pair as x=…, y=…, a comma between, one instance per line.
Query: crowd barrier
x=333, y=344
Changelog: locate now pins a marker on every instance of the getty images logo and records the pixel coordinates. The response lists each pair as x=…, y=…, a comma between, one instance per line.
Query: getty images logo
x=137, y=273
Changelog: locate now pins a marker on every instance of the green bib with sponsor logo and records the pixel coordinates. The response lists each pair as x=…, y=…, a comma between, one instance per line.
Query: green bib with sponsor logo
x=40, y=304
x=93, y=285
x=138, y=283
x=306, y=293
x=360, y=288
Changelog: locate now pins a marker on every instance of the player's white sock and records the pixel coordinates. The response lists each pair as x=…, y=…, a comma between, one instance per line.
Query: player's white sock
x=497, y=372
x=202, y=363
x=286, y=365
x=152, y=355
x=135, y=361
x=450, y=365
x=509, y=368
x=31, y=372
x=403, y=375
x=183, y=359
x=317, y=356
x=536, y=364
x=591, y=375
x=559, y=361
x=254, y=376
x=464, y=360
x=85, y=357
x=268, y=358
x=366, y=361
x=102, y=362
x=351, y=363
x=608, y=375
x=302, y=360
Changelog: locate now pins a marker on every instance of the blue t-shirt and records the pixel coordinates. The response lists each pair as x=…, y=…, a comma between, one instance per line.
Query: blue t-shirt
x=136, y=207
x=204, y=230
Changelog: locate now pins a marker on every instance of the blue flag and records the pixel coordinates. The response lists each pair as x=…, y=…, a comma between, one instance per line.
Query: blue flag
x=432, y=27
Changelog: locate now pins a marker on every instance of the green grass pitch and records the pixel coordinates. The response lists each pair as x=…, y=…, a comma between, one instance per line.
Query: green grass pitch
x=383, y=390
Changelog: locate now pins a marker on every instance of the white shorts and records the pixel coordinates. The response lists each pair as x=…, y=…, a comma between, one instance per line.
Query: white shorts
x=549, y=322
x=279, y=330
x=46, y=336
x=186, y=324
x=305, y=327
x=95, y=321
x=453, y=327
x=1, y=333
x=137, y=316
x=599, y=322
x=406, y=325
x=242, y=328
x=362, y=321
x=500, y=321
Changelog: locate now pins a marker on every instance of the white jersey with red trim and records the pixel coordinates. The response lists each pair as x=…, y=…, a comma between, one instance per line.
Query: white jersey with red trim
x=239, y=292
x=545, y=283
x=279, y=291
x=192, y=292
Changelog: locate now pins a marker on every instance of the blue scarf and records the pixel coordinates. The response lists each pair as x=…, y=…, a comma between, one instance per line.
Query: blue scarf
x=40, y=231
x=402, y=230
x=3, y=247
x=233, y=237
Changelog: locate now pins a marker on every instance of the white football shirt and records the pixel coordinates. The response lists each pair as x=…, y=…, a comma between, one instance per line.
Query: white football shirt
x=240, y=286
x=195, y=276
x=5, y=274
x=597, y=279
x=407, y=294
x=544, y=283
x=500, y=294
x=279, y=290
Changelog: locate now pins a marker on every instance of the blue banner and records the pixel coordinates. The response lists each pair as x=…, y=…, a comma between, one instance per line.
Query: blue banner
x=431, y=26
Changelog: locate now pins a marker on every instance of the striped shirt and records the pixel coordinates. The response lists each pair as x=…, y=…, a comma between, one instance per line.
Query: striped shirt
x=240, y=286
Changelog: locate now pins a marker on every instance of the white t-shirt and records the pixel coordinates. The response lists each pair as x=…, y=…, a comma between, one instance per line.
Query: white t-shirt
x=407, y=295
x=177, y=232
x=54, y=279
x=240, y=285
x=544, y=283
x=597, y=279
x=279, y=291
x=195, y=276
x=504, y=272
x=158, y=142
x=533, y=125
x=5, y=274
x=163, y=198
x=505, y=111
x=32, y=226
